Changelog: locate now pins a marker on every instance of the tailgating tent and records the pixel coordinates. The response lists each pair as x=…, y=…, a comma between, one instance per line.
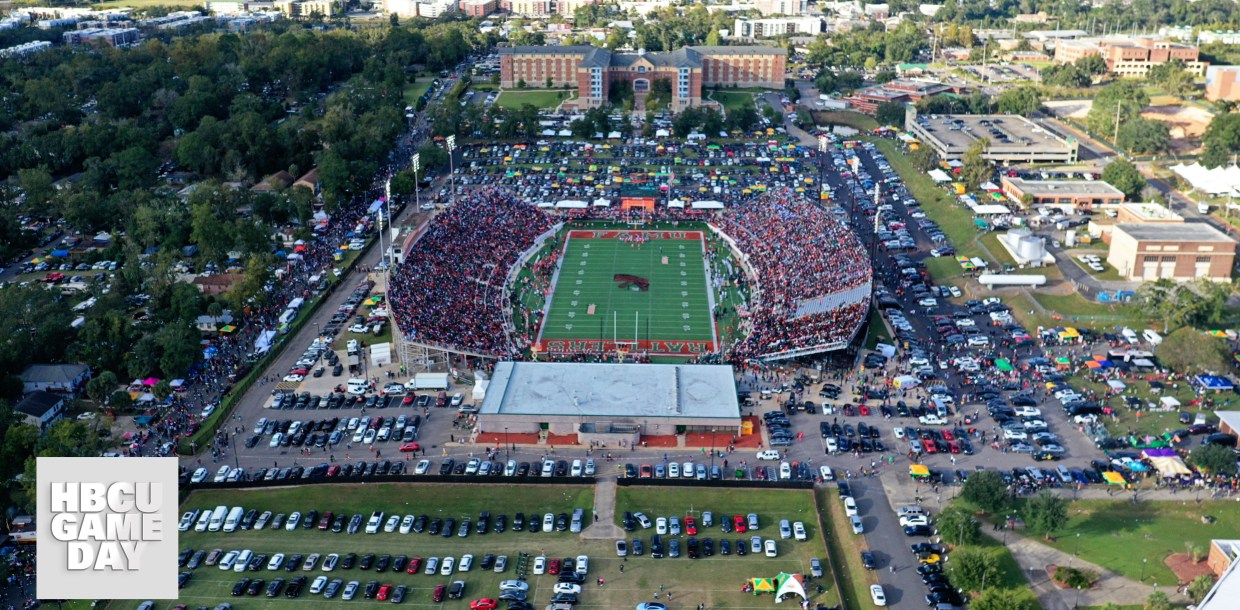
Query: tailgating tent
x=1003, y=365
x=763, y=585
x=1068, y=334
x=708, y=205
x=1170, y=402
x=1166, y=461
x=602, y=203
x=990, y=209
x=918, y=470
x=1114, y=478
x=1115, y=384
x=989, y=186
x=675, y=203
x=1217, y=181
x=789, y=584
x=263, y=343
x=1214, y=383
x=939, y=175
x=1093, y=364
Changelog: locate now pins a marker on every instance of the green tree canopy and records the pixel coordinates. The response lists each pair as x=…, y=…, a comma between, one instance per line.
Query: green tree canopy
x=1115, y=105
x=1123, y=175
x=958, y=526
x=973, y=569
x=976, y=169
x=987, y=490
x=1221, y=140
x=1020, y=100
x=1005, y=599
x=1046, y=513
x=1141, y=136
x=1214, y=459
x=890, y=113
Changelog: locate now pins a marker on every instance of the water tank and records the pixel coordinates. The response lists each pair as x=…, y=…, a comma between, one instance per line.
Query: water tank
x=1031, y=248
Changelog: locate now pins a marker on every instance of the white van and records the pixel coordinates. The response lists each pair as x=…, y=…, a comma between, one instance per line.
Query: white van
x=1151, y=336
x=217, y=518
x=233, y=519
x=768, y=454
x=243, y=560
x=1130, y=336
x=204, y=520
x=358, y=386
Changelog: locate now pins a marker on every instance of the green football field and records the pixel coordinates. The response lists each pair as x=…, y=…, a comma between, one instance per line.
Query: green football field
x=590, y=309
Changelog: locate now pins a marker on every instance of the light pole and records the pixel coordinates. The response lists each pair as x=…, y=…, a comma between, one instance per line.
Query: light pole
x=507, y=445
x=1076, y=549
x=1143, y=562
x=712, y=450
x=451, y=142
x=232, y=437
x=416, y=163
x=1077, y=603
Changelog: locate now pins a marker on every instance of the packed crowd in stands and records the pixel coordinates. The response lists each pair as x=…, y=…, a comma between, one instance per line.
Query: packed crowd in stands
x=800, y=253
x=448, y=290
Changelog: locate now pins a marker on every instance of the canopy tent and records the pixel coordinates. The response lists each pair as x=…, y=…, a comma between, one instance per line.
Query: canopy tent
x=1214, y=383
x=918, y=470
x=1003, y=365
x=375, y=206
x=263, y=343
x=763, y=585
x=575, y=204
x=1217, y=181
x=990, y=209
x=789, y=584
x=1093, y=364
x=708, y=205
x=675, y=203
x=1114, y=478
x=1170, y=402
x=939, y=175
x=989, y=186
x=1116, y=384
x=1068, y=333
x=1168, y=465
x=602, y=203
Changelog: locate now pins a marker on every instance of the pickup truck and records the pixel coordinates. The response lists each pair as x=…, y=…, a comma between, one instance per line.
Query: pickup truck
x=932, y=420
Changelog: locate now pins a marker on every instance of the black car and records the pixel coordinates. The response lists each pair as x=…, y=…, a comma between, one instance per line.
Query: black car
x=518, y=522
x=488, y=561
x=571, y=577
x=943, y=597
x=725, y=547
x=292, y=563
x=708, y=547
x=338, y=524
x=256, y=587
x=564, y=598
x=656, y=546
x=630, y=523
x=274, y=588
x=295, y=586
x=449, y=526
x=501, y=524
x=742, y=547
x=868, y=560
x=695, y=549
x=399, y=562
x=348, y=561
x=561, y=522
x=635, y=547
x=483, y=524
x=446, y=466
x=355, y=523
x=368, y=560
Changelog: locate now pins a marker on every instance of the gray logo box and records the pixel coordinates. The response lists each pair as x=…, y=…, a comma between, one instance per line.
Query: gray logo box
x=107, y=528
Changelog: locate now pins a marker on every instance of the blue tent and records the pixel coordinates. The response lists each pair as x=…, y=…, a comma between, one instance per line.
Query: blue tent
x=1214, y=383
x=60, y=253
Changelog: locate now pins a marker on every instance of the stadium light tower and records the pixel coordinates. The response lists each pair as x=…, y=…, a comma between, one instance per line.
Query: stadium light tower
x=416, y=163
x=451, y=141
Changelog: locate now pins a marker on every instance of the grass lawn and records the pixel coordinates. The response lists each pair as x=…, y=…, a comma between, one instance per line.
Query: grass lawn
x=210, y=586
x=414, y=90
x=845, y=548
x=589, y=304
x=1010, y=574
x=878, y=330
x=1126, y=420
x=732, y=100
x=1076, y=309
x=856, y=120
x=539, y=99
x=716, y=581
x=1123, y=536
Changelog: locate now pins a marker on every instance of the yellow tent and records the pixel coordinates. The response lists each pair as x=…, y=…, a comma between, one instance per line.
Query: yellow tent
x=763, y=585
x=918, y=470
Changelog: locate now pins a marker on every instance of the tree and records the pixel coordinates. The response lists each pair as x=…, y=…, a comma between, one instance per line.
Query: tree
x=1142, y=136
x=37, y=184
x=1046, y=513
x=1093, y=65
x=1214, y=459
x=890, y=113
x=986, y=490
x=1200, y=586
x=1157, y=600
x=1188, y=351
x=1221, y=140
x=1114, y=105
x=924, y=158
x=99, y=387
x=1172, y=77
x=1123, y=175
x=973, y=569
x=1005, y=599
x=1021, y=100
x=958, y=526
x=976, y=169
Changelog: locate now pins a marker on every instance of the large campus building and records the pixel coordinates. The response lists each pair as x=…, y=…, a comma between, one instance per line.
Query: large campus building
x=594, y=70
x=609, y=403
x=1010, y=138
x=1131, y=56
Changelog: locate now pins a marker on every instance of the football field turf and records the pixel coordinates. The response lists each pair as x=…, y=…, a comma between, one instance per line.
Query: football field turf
x=609, y=289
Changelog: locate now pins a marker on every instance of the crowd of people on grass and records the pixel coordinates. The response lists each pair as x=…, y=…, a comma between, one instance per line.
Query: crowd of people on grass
x=448, y=291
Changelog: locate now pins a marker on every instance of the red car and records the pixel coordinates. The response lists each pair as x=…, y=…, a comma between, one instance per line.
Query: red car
x=299, y=371
x=646, y=472
x=739, y=524
x=865, y=409
x=485, y=603
x=384, y=592
x=947, y=435
x=407, y=447
x=553, y=566
x=415, y=565
x=440, y=590
x=407, y=400
x=334, y=470
x=325, y=521
x=953, y=446
x=929, y=445
x=691, y=526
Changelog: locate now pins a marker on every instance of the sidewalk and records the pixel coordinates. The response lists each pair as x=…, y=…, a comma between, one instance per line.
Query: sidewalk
x=604, y=525
x=1033, y=557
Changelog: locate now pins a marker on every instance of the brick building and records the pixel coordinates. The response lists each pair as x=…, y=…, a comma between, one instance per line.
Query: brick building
x=1083, y=195
x=1223, y=83
x=1131, y=57
x=478, y=8
x=593, y=70
x=1178, y=251
x=899, y=91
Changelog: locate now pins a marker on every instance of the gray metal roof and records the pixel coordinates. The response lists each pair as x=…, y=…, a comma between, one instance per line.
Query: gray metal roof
x=596, y=58
x=603, y=389
x=1174, y=231
x=546, y=50
x=740, y=50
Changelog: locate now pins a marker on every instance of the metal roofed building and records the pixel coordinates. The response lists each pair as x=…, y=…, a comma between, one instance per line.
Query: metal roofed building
x=1174, y=250
x=610, y=402
x=1082, y=194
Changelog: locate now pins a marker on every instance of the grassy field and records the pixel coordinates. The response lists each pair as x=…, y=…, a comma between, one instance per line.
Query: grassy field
x=414, y=90
x=856, y=120
x=1076, y=309
x=539, y=99
x=210, y=586
x=1123, y=536
x=675, y=308
x=845, y=548
x=731, y=100
x=716, y=581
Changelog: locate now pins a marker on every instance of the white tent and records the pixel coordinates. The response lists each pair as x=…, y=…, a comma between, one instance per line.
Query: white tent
x=381, y=354
x=1170, y=402
x=708, y=205
x=675, y=203
x=662, y=133
x=614, y=135
x=989, y=186
x=1116, y=385
x=575, y=204
x=546, y=204
x=480, y=389
x=1217, y=181
x=602, y=203
x=939, y=175
x=565, y=133
x=986, y=210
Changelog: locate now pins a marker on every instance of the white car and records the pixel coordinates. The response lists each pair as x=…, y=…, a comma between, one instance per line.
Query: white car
x=472, y=466
x=276, y=562
x=928, y=302
x=857, y=527
x=330, y=562
x=317, y=585
x=1028, y=412
x=785, y=471
x=566, y=587
x=769, y=547
x=911, y=520
x=1014, y=435
x=540, y=564
x=798, y=531
x=200, y=475
x=226, y=563
x=221, y=475
x=514, y=585
x=686, y=470
x=293, y=520
x=673, y=470
x=978, y=341
x=548, y=523
x=673, y=526
x=877, y=596
x=785, y=529
x=826, y=473
x=899, y=432
x=423, y=467
x=372, y=524
x=660, y=526
x=393, y=522
x=467, y=563
x=294, y=378
x=406, y=524
x=582, y=565
x=368, y=438
x=445, y=568
x=850, y=506
x=276, y=439
x=642, y=520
